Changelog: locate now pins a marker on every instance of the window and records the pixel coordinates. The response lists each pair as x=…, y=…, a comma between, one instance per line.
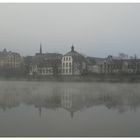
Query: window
x=63, y=70
x=39, y=70
x=66, y=64
x=63, y=64
x=69, y=64
x=66, y=71
x=44, y=71
x=66, y=58
x=69, y=58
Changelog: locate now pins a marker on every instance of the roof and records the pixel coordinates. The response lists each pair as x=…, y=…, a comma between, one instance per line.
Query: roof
x=75, y=55
x=6, y=53
x=47, y=59
x=49, y=55
x=94, y=60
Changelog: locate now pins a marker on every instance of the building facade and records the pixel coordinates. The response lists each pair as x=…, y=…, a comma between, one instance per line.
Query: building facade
x=10, y=63
x=112, y=66
x=73, y=63
x=10, y=59
x=45, y=64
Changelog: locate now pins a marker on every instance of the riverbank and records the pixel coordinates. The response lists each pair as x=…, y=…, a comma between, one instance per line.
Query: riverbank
x=85, y=78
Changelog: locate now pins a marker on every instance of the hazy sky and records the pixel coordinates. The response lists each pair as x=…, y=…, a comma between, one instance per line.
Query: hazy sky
x=94, y=29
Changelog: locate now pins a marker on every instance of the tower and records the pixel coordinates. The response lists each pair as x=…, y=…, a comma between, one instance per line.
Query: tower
x=40, y=48
x=72, y=48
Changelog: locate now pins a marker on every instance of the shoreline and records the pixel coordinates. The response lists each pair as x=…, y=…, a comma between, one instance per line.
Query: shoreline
x=114, y=78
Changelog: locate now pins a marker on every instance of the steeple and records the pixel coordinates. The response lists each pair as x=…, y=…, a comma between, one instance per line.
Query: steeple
x=72, y=48
x=40, y=48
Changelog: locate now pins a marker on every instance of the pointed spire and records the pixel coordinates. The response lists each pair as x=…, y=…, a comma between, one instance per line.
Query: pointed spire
x=72, y=48
x=40, y=48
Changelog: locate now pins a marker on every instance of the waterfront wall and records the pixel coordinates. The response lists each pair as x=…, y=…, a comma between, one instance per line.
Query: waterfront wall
x=92, y=78
x=80, y=78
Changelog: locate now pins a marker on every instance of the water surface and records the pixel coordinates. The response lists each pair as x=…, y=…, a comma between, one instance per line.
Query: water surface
x=69, y=109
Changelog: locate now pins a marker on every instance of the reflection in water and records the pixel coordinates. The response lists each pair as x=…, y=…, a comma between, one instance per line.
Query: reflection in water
x=72, y=99
x=69, y=109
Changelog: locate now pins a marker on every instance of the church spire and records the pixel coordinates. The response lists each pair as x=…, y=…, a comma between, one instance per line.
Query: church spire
x=40, y=48
x=72, y=48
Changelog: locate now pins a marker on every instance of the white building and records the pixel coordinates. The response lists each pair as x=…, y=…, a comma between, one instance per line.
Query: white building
x=73, y=63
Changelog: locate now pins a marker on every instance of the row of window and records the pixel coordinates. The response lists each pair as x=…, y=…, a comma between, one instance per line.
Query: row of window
x=44, y=71
x=9, y=65
x=112, y=66
x=110, y=71
x=66, y=64
x=120, y=66
x=67, y=70
x=67, y=58
x=134, y=66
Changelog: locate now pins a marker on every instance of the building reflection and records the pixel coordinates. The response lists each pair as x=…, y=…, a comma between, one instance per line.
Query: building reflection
x=72, y=100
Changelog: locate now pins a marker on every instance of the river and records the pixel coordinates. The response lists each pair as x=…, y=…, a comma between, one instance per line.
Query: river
x=69, y=109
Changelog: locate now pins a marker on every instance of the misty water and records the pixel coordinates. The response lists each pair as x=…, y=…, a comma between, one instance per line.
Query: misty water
x=69, y=109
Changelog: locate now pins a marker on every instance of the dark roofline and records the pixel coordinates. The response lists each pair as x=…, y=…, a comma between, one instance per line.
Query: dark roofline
x=90, y=57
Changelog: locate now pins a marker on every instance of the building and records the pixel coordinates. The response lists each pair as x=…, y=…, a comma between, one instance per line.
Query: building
x=45, y=64
x=72, y=102
x=111, y=65
x=10, y=63
x=10, y=59
x=73, y=63
x=94, y=65
x=131, y=66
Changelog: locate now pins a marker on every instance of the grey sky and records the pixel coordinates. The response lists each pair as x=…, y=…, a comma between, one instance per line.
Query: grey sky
x=94, y=29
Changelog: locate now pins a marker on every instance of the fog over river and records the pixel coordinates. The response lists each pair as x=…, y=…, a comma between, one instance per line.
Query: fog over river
x=69, y=109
